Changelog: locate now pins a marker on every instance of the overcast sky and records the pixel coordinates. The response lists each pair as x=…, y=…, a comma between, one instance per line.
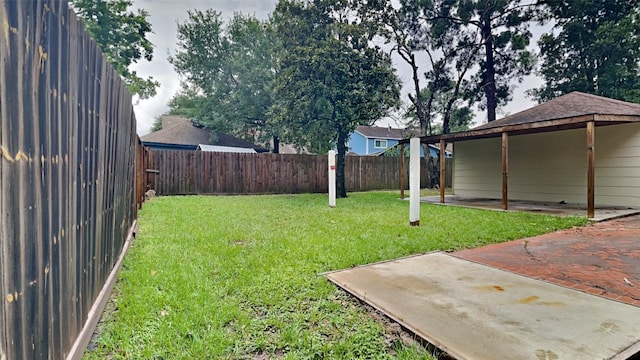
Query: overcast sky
x=164, y=15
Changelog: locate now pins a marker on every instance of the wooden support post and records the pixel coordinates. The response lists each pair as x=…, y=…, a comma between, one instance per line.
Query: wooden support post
x=402, y=171
x=443, y=171
x=591, y=173
x=505, y=171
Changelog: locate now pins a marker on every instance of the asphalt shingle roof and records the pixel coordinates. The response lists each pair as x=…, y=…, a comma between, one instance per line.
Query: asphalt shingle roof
x=385, y=132
x=571, y=105
x=180, y=130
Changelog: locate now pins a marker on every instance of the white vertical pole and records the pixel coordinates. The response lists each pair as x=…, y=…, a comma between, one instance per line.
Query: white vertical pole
x=332, y=178
x=414, y=182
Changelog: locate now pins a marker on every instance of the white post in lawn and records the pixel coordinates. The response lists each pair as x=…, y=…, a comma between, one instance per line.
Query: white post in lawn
x=414, y=182
x=332, y=178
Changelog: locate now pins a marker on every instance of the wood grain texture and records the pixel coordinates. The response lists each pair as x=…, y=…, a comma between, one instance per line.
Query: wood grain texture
x=67, y=176
x=505, y=171
x=200, y=172
x=591, y=173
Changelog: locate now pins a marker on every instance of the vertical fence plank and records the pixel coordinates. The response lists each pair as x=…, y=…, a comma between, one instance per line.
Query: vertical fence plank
x=184, y=172
x=67, y=178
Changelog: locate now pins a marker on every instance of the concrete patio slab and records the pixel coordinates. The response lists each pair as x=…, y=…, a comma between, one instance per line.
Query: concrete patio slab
x=473, y=311
x=602, y=213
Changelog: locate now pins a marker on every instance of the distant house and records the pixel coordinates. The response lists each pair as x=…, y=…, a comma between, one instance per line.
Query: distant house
x=179, y=133
x=374, y=140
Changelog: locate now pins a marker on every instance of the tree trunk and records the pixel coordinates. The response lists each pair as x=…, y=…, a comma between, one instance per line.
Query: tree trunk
x=424, y=122
x=341, y=190
x=276, y=145
x=489, y=71
x=446, y=117
x=432, y=170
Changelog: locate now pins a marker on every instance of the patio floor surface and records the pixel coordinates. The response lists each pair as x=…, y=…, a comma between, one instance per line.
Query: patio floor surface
x=571, y=294
x=560, y=208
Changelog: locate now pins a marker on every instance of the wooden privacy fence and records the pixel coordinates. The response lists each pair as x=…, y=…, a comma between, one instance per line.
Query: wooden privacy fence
x=200, y=172
x=67, y=180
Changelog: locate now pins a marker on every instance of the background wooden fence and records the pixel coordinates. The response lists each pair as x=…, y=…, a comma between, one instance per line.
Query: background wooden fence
x=67, y=177
x=200, y=172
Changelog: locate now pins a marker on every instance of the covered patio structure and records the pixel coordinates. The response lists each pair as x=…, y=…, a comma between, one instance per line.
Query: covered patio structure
x=547, y=154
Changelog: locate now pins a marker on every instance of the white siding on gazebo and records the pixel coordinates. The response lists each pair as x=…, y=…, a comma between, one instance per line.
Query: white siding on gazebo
x=549, y=166
x=552, y=166
x=618, y=165
x=477, y=168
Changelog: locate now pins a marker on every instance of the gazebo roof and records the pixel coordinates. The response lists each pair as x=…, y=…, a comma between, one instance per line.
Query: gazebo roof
x=569, y=111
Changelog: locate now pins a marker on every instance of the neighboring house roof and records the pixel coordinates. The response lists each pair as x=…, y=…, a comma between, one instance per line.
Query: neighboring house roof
x=385, y=132
x=570, y=111
x=182, y=131
x=228, y=149
x=448, y=149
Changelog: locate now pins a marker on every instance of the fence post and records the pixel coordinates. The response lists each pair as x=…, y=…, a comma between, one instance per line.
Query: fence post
x=414, y=182
x=332, y=178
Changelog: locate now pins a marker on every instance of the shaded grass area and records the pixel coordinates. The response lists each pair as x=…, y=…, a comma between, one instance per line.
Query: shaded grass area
x=237, y=277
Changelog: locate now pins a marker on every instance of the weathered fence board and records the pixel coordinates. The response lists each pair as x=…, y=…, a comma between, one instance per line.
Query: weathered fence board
x=67, y=177
x=200, y=172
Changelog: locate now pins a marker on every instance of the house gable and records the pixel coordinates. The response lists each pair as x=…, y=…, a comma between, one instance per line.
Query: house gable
x=358, y=143
x=367, y=140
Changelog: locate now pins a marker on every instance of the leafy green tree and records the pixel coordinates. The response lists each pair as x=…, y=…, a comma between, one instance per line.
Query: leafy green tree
x=416, y=29
x=594, y=47
x=451, y=53
x=229, y=73
x=331, y=77
x=187, y=102
x=502, y=26
x=122, y=36
x=459, y=116
x=491, y=35
x=157, y=124
x=474, y=50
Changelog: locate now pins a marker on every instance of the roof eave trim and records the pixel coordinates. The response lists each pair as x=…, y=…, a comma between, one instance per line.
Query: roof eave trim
x=530, y=128
x=377, y=137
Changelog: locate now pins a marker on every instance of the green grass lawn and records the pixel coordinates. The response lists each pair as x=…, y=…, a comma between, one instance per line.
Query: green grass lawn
x=238, y=276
